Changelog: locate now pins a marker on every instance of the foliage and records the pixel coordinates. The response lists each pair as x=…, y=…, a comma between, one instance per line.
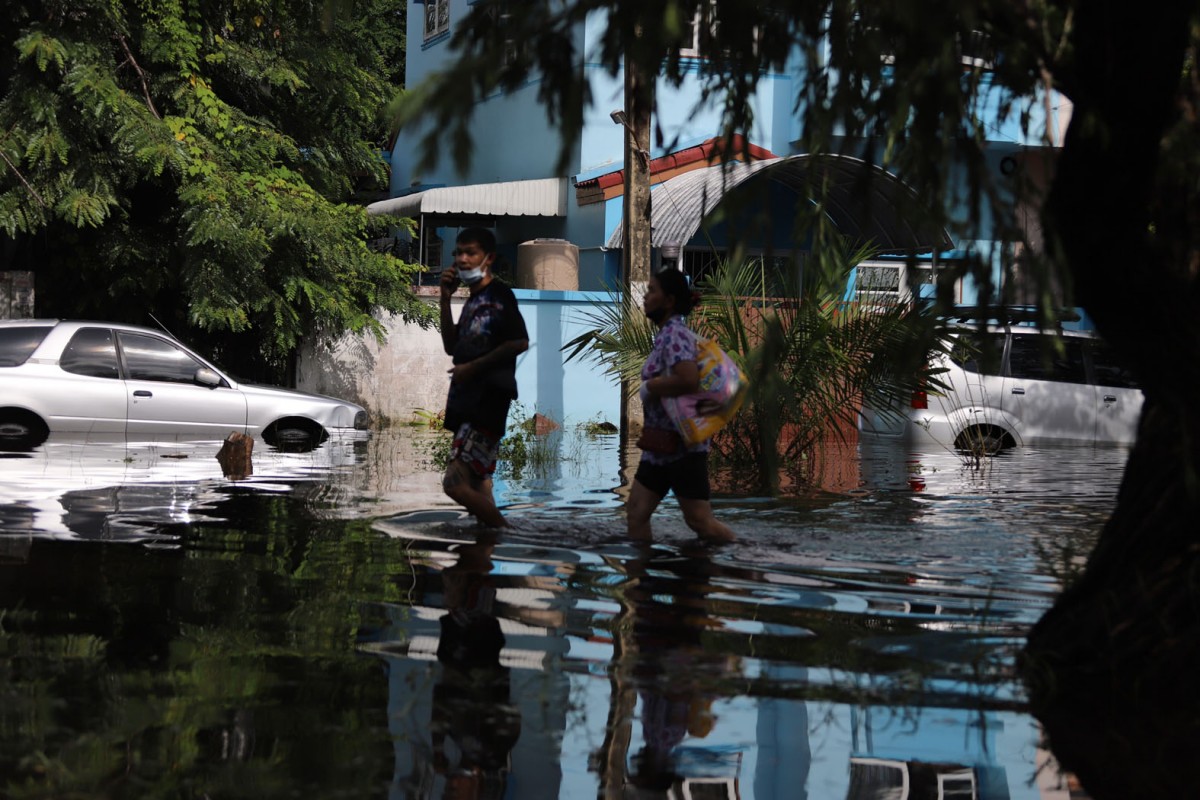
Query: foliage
x=897, y=80
x=619, y=339
x=436, y=447
x=810, y=357
x=597, y=427
x=950, y=74
x=197, y=160
x=524, y=451
x=424, y=418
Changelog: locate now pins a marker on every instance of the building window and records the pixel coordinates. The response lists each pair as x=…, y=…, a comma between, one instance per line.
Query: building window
x=702, y=38
x=975, y=51
x=500, y=15
x=699, y=38
x=431, y=250
x=437, y=17
x=892, y=281
x=699, y=264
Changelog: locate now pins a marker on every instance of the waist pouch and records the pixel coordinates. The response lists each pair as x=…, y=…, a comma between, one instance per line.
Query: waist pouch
x=660, y=440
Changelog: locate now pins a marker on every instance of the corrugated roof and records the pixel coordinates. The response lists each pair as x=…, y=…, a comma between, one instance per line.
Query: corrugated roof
x=863, y=201
x=709, y=152
x=545, y=197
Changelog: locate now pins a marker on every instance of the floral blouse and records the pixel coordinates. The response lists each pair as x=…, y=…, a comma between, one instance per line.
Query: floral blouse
x=674, y=343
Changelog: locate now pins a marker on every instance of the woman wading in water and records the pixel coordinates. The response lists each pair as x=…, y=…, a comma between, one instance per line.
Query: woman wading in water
x=667, y=465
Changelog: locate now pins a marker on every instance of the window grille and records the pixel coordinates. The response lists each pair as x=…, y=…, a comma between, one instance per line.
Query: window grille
x=437, y=17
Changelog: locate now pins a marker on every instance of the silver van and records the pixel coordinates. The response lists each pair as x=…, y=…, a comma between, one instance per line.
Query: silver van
x=1016, y=385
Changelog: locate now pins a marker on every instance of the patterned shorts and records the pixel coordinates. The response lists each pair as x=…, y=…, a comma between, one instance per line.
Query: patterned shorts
x=475, y=448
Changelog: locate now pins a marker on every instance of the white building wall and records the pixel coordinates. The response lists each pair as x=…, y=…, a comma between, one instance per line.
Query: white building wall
x=409, y=370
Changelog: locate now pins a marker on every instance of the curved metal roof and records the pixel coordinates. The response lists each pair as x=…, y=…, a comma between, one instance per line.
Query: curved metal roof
x=863, y=201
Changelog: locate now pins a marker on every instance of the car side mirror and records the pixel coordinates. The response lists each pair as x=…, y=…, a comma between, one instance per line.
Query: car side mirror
x=206, y=377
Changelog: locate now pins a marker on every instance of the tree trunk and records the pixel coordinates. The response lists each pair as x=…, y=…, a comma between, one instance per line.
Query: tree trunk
x=1112, y=669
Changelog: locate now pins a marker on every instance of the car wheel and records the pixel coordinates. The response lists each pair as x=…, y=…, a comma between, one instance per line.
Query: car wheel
x=294, y=435
x=983, y=441
x=22, y=431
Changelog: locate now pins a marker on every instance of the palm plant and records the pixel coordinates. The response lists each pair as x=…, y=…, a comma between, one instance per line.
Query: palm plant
x=811, y=356
x=620, y=337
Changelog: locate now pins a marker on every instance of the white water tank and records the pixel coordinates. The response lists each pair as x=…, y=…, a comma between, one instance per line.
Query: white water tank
x=548, y=264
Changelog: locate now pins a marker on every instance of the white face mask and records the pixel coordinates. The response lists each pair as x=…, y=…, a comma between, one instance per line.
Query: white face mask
x=471, y=276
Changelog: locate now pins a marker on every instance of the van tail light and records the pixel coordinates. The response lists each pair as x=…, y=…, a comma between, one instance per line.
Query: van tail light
x=919, y=399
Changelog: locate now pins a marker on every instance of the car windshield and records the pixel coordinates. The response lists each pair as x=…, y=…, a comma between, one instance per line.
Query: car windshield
x=18, y=343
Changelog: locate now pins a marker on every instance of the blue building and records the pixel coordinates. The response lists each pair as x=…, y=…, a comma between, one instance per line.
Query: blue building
x=511, y=184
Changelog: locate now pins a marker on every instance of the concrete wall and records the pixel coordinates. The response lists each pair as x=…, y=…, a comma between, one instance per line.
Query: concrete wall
x=408, y=372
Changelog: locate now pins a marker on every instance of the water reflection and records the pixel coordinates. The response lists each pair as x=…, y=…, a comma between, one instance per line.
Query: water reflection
x=332, y=625
x=473, y=725
x=678, y=676
x=111, y=489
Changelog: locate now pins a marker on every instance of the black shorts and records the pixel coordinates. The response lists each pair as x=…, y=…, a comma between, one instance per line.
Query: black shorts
x=687, y=477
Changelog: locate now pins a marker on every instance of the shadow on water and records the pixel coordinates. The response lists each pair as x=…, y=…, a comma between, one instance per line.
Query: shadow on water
x=332, y=625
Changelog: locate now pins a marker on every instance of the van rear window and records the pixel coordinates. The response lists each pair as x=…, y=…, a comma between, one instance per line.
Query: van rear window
x=18, y=343
x=978, y=352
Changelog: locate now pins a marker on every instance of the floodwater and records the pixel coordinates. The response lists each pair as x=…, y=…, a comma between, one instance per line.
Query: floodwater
x=331, y=627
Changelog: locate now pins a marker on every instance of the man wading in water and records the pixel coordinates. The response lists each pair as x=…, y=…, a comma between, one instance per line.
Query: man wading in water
x=484, y=344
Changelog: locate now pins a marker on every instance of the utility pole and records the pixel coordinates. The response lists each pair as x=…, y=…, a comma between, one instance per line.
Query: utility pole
x=635, y=206
x=610, y=761
x=639, y=94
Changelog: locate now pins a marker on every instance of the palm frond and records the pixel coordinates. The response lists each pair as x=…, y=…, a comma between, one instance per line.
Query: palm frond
x=810, y=353
x=617, y=336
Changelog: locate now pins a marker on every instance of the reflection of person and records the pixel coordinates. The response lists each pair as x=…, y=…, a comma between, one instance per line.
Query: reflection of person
x=485, y=343
x=678, y=678
x=471, y=704
x=667, y=464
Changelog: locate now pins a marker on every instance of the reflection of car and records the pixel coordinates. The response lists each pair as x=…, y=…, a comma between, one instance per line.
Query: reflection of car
x=101, y=487
x=108, y=378
x=1019, y=385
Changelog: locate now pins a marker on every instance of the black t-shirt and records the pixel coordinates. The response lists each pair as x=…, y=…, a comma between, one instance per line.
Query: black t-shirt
x=489, y=318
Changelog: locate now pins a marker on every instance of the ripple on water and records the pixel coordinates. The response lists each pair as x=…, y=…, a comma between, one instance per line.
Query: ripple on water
x=909, y=593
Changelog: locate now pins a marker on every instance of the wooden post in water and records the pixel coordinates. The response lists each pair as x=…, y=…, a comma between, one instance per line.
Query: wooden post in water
x=235, y=456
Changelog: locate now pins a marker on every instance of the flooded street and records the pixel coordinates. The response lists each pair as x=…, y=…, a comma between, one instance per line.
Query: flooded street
x=332, y=627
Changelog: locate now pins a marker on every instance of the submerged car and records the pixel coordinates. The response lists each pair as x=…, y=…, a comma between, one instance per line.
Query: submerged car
x=125, y=380
x=1017, y=385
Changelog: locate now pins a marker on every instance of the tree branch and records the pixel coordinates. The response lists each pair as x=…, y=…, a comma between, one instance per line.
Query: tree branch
x=21, y=178
x=129, y=59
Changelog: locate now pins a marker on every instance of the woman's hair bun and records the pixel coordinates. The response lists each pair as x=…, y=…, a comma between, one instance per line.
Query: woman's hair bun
x=676, y=284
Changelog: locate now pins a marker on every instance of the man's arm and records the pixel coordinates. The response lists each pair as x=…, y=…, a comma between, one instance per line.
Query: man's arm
x=505, y=350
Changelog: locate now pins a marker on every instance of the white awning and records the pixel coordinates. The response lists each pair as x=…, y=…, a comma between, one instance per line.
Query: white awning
x=546, y=197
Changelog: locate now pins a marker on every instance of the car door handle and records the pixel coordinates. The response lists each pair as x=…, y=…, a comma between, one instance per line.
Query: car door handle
x=1018, y=390
x=1110, y=398
x=143, y=393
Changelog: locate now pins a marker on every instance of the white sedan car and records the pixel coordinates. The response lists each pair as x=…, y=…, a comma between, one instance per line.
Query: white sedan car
x=124, y=380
